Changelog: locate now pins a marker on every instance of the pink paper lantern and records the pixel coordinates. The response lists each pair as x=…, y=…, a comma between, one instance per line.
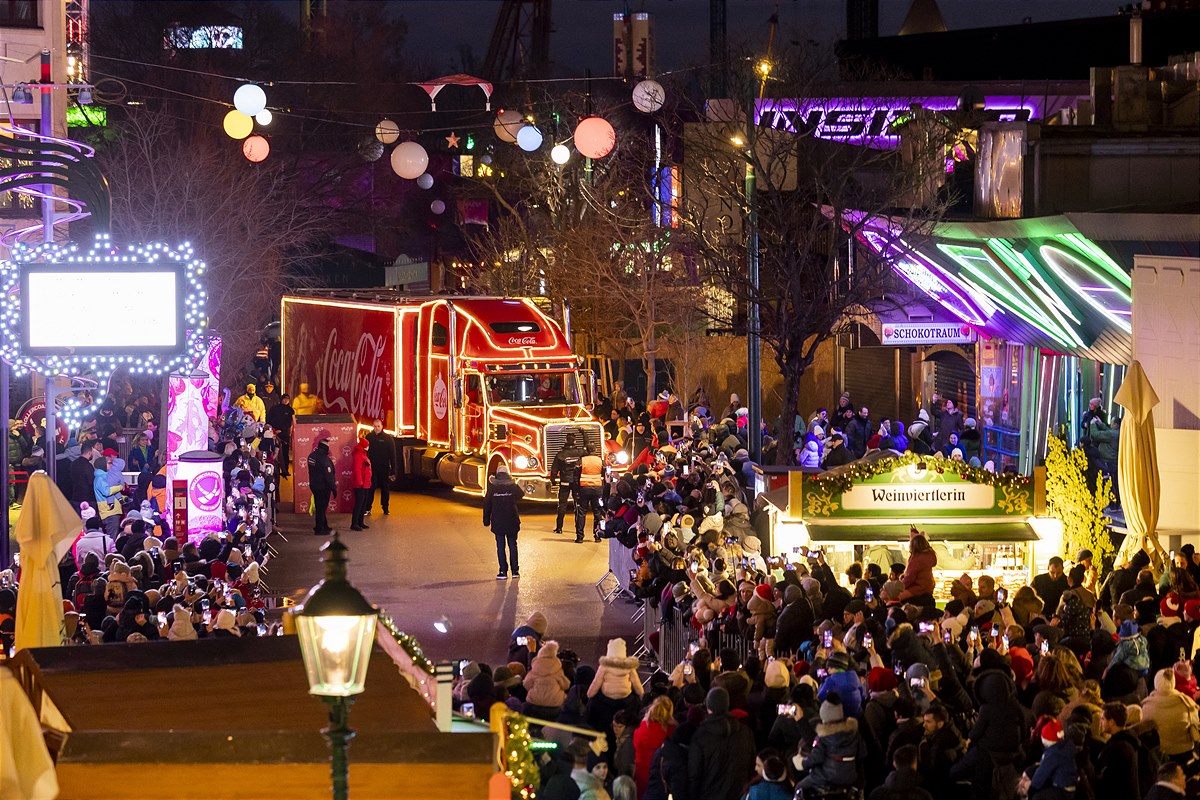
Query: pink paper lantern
x=595, y=137
x=256, y=148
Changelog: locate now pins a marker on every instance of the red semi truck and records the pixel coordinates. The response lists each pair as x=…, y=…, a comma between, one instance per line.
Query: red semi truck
x=463, y=383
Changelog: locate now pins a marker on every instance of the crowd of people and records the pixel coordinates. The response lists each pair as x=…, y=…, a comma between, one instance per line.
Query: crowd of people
x=127, y=577
x=855, y=684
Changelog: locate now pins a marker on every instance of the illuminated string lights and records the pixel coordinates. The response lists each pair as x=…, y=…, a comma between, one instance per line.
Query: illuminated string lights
x=102, y=252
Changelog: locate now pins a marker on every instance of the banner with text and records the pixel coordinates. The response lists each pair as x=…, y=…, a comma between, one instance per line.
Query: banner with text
x=912, y=333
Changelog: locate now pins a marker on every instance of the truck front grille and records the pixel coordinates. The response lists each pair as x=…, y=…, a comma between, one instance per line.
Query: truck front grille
x=556, y=435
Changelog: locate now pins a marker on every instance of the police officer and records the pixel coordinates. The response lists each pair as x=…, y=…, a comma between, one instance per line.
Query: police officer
x=565, y=472
x=322, y=479
x=500, y=513
x=591, y=486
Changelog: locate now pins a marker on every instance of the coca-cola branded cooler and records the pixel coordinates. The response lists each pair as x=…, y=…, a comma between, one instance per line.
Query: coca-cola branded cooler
x=343, y=435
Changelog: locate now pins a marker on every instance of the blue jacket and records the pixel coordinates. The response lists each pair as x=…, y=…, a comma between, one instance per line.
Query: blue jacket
x=1057, y=768
x=103, y=489
x=849, y=687
x=768, y=790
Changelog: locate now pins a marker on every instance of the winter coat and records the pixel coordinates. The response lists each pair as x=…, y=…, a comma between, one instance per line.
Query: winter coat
x=838, y=757
x=669, y=768
x=856, y=436
x=1117, y=768
x=545, y=683
x=1132, y=651
x=762, y=617
x=92, y=541
x=362, y=466
x=837, y=457
x=846, y=684
x=616, y=678
x=918, y=575
x=500, y=505
x=1105, y=439
x=971, y=444
x=902, y=784
x=795, y=622
x=769, y=790
x=810, y=456
x=1174, y=715
x=647, y=738
x=950, y=423
x=106, y=504
x=1057, y=768
x=382, y=452
x=720, y=758
x=322, y=474
x=1000, y=725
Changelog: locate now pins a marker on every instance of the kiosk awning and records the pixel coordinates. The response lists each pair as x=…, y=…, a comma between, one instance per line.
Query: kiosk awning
x=1016, y=531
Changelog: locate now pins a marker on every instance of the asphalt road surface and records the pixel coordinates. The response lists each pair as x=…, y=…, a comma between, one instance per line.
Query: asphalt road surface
x=432, y=557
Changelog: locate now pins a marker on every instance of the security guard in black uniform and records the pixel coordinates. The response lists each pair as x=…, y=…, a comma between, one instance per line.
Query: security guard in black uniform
x=565, y=472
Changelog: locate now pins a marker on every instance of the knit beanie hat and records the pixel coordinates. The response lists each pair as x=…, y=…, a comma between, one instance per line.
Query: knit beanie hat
x=86, y=512
x=537, y=621
x=831, y=709
x=679, y=591
x=776, y=675
x=717, y=701
x=226, y=621
x=1051, y=733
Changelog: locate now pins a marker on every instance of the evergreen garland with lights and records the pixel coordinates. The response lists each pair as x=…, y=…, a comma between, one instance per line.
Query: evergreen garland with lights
x=407, y=643
x=845, y=480
x=522, y=768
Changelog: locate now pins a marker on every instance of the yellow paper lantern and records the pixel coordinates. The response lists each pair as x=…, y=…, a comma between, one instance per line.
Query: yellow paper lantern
x=387, y=131
x=256, y=149
x=237, y=124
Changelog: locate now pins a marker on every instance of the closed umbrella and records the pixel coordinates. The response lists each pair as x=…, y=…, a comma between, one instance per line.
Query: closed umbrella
x=1137, y=469
x=45, y=530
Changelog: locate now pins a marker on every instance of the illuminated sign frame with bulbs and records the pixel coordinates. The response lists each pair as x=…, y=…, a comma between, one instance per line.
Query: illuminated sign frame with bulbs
x=104, y=255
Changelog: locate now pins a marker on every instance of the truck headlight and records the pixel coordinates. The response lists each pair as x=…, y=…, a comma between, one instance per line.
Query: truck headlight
x=621, y=457
x=525, y=462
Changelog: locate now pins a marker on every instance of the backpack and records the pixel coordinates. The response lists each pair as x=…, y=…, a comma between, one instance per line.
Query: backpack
x=114, y=594
x=83, y=590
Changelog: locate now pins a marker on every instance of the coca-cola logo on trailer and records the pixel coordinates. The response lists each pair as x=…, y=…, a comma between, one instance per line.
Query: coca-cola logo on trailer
x=345, y=353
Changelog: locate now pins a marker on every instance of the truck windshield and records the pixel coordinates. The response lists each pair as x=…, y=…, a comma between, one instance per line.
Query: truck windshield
x=528, y=389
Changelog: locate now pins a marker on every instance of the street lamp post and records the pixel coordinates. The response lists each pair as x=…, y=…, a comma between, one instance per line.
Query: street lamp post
x=753, y=344
x=336, y=626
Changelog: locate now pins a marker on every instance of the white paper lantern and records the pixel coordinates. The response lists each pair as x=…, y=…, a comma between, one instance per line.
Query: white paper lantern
x=425, y=181
x=264, y=117
x=409, y=160
x=437, y=207
x=507, y=124
x=649, y=96
x=249, y=99
x=595, y=137
x=560, y=154
x=529, y=138
x=387, y=131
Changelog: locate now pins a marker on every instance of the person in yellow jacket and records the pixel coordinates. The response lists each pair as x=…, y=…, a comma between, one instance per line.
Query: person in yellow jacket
x=252, y=404
x=305, y=403
x=591, y=486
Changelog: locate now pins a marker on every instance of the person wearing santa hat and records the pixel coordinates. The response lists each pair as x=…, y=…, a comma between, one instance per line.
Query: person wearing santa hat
x=1056, y=776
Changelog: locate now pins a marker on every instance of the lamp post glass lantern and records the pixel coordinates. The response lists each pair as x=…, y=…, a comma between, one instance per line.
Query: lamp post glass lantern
x=336, y=626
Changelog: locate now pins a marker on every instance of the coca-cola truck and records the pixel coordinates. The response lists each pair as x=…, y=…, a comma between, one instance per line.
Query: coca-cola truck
x=463, y=383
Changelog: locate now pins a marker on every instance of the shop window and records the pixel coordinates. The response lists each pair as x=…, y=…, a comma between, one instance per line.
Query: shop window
x=19, y=13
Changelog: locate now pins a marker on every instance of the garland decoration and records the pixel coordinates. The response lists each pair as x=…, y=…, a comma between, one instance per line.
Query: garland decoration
x=848, y=476
x=407, y=643
x=521, y=768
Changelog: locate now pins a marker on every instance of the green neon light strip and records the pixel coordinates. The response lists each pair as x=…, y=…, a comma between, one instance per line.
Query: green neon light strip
x=1116, y=311
x=1007, y=291
x=1090, y=249
x=1056, y=305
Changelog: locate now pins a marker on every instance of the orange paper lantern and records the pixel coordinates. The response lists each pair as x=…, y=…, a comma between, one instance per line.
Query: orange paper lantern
x=256, y=149
x=595, y=137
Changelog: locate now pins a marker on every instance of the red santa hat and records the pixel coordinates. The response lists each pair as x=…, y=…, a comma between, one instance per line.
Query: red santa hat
x=765, y=592
x=1170, y=605
x=1051, y=733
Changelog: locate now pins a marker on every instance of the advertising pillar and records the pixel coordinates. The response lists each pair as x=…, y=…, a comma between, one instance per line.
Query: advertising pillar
x=201, y=471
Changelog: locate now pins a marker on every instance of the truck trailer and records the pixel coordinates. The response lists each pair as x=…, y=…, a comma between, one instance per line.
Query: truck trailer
x=464, y=384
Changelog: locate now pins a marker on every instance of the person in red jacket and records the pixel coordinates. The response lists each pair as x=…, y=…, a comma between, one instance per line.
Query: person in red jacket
x=918, y=577
x=361, y=481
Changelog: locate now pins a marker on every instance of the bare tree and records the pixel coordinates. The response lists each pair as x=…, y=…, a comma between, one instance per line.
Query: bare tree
x=590, y=233
x=815, y=201
x=244, y=220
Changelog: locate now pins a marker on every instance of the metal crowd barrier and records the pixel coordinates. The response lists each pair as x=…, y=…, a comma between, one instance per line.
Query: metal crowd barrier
x=676, y=636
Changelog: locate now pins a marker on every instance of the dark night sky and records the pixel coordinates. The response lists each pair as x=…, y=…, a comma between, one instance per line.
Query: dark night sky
x=583, y=28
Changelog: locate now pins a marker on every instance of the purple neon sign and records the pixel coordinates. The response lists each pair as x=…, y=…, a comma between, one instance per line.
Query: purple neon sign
x=869, y=120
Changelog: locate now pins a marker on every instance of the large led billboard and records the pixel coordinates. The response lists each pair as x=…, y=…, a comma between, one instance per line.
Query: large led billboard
x=144, y=308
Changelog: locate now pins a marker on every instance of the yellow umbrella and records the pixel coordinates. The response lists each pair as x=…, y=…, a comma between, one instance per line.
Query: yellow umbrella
x=1137, y=469
x=45, y=530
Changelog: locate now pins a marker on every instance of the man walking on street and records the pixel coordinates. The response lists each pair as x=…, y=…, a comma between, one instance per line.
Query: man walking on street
x=280, y=417
x=500, y=513
x=322, y=479
x=591, y=487
x=565, y=472
x=382, y=454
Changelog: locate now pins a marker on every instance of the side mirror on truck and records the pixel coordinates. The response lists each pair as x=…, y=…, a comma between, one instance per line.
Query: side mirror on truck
x=458, y=392
x=587, y=383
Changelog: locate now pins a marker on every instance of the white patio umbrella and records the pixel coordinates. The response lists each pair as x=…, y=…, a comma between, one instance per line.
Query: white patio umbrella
x=45, y=530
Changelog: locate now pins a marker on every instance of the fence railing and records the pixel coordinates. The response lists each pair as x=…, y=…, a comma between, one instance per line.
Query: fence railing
x=676, y=635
